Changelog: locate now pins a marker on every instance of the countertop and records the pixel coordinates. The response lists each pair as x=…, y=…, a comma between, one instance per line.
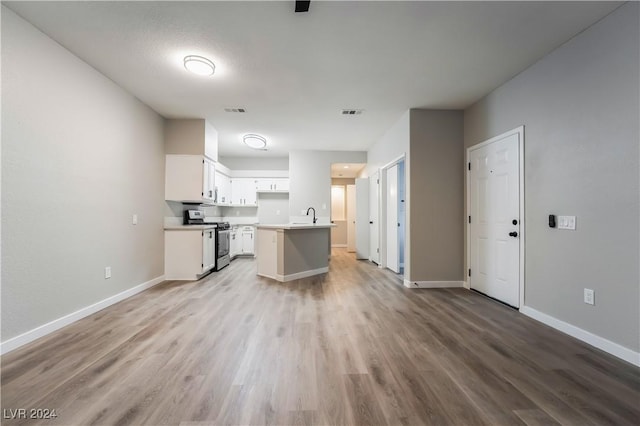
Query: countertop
x=296, y=226
x=188, y=227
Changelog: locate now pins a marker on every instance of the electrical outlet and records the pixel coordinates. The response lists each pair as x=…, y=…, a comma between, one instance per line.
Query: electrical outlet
x=134, y=219
x=107, y=272
x=324, y=206
x=277, y=212
x=589, y=296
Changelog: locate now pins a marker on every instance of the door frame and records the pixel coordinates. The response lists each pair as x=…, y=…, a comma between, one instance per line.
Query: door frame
x=379, y=213
x=382, y=208
x=350, y=205
x=520, y=132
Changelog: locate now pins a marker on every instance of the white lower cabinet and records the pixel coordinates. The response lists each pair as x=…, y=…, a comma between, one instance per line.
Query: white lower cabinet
x=235, y=246
x=248, y=240
x=208, y=249
x=189, y=253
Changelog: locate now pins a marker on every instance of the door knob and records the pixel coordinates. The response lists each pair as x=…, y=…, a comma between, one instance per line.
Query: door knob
x=513, y=234
x=371, y=222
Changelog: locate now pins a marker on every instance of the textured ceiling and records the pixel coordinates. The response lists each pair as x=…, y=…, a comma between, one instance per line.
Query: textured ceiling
x=294, y=72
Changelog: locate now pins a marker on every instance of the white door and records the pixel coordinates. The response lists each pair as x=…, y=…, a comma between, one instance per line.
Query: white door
x=494, y=231
x=351, y=218
x=393, y=253
x=374, y=226
x=362, y=218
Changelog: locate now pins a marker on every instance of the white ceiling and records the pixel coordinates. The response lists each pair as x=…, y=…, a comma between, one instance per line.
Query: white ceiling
x=295, y=72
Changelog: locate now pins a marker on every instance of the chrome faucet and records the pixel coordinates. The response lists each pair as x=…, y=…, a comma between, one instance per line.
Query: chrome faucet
x=314, y=214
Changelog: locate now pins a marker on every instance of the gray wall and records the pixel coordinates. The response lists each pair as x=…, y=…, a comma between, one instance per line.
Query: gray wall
x=274, y=208
x=432, y=142
x=301, y=250
x=436, y=177
x=393, y=144
x=580, y=109
x=310, y=175
x=255, y=163
x=79, y=157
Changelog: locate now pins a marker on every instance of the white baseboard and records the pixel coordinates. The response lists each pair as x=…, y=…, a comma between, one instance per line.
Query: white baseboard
x=50, y=327
x=304, y=274
x=433, y=284
x=608, y=346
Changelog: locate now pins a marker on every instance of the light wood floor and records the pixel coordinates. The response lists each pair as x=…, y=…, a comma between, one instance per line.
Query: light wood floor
x=349, y=347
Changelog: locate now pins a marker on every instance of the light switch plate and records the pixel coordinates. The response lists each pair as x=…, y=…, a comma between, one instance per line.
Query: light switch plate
x=589, y=296
x=567, y=222
x=134, y=219
x=107, y=272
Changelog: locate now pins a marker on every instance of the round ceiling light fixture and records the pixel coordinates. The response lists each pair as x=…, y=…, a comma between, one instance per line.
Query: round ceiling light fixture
x=199, y=65
x=255, y=141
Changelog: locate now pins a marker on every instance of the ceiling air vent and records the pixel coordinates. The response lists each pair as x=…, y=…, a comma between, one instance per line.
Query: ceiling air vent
x=352, y=111
x=235, y=110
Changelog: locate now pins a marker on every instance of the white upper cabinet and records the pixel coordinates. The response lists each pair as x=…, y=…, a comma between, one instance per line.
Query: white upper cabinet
x=272, y=185
x=243, y=191
x=191, y=146
x=210, y=141
x=189, y=178
x=209, y=180
x=223, y=187
x=191, y=137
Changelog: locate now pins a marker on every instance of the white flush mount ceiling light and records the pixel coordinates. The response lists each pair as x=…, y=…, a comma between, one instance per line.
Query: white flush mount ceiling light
x=199, y=65
x=255, y=141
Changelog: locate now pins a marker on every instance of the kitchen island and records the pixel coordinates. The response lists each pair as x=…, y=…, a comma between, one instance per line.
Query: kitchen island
x=291, y=251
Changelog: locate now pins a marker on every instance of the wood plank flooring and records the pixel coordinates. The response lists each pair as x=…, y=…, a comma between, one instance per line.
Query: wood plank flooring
x=348, y=347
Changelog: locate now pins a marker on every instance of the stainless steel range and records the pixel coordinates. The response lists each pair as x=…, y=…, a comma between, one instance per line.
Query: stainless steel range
x=223, y=243
x=223, y=236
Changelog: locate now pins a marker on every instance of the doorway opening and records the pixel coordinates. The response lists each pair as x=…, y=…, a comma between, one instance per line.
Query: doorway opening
x=393, y=202
x=344, y=207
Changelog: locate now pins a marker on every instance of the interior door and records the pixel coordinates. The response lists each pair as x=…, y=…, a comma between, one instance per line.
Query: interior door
x=393, y=253
x=374, y=226
x=362, y=218
x=494, y=231
x=351, y=218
